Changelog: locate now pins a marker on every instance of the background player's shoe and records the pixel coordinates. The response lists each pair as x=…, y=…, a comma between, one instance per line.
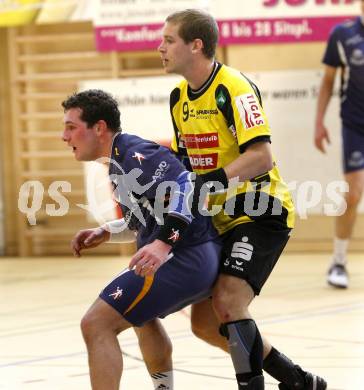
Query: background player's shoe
x=310, y=382
x=337, y=276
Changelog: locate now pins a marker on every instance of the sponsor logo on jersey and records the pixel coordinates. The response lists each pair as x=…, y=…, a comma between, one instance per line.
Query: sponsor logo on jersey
x=205, y=114
x=160, y=171
x=116, y=151
x=205, y=161
x=249, y=110
x=220, y=99
x=201, y=141
x=354, y=40
x=139, y=157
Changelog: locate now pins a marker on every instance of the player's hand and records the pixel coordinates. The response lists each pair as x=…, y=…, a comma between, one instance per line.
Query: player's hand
x=150, y=257
x=321, y=137
x=88, y=238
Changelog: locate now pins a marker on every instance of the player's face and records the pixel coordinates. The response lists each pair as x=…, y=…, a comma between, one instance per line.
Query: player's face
x=176, y=55
x=79, y=137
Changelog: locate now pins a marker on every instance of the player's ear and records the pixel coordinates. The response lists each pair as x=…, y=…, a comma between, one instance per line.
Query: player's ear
x=100, y=127
x=197, y=45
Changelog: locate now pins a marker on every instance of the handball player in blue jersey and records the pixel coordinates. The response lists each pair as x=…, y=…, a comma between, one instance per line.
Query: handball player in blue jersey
x=345, y=51
x=178, y=250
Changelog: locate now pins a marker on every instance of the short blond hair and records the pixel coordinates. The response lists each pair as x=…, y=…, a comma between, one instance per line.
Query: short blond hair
x=197, y=24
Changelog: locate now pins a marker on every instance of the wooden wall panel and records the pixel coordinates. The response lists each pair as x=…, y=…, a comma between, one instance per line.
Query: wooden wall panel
x=6, y=142
x=46, y=63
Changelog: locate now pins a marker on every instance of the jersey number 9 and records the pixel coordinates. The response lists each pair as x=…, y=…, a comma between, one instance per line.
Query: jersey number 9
x=185, y=111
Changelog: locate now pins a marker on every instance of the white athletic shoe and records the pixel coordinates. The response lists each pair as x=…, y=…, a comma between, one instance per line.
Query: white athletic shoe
x=337, y=276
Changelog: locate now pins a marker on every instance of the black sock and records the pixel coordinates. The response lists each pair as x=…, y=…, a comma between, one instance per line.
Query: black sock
x=281, y=368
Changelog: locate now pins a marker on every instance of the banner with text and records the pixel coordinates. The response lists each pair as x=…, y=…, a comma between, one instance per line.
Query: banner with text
x=137, y=24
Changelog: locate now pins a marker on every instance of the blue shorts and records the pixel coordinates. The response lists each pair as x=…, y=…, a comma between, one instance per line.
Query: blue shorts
x=186, y=278
x=353, y=150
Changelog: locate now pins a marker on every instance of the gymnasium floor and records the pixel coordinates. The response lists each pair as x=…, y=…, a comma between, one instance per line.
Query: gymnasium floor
x=42, y=302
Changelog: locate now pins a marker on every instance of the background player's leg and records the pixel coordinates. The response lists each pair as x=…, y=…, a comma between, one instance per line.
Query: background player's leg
x=156, y=348
x=205, y=325
x=344, y=224
x=100, y=327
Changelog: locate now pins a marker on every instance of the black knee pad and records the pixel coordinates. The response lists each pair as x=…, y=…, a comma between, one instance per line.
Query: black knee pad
x=246, y=347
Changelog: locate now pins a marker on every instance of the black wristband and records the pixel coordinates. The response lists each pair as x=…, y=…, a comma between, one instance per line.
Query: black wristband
x=172, y=230
x=216, y=175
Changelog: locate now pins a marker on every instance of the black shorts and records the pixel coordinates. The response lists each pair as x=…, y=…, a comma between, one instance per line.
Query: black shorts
x=251, y=250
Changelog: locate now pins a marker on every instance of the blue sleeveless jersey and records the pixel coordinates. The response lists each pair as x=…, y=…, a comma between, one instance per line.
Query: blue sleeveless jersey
x=345, y=49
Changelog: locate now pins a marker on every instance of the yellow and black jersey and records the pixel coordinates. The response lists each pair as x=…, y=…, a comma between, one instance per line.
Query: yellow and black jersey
x=213, y=126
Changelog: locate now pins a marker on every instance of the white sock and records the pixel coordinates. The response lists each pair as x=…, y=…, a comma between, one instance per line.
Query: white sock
x=163, y=380
x=340, y=250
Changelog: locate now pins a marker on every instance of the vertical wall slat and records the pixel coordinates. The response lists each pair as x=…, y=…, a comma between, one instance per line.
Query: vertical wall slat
x=17, y=163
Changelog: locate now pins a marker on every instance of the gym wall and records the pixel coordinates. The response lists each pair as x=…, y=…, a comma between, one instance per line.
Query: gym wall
x=42, y=64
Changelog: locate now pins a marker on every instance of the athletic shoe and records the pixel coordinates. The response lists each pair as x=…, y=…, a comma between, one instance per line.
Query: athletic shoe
x=311, y=382
x=337, y=276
